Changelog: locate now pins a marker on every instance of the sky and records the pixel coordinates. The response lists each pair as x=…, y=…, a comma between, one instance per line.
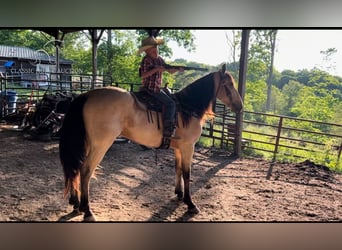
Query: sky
x=295, y=49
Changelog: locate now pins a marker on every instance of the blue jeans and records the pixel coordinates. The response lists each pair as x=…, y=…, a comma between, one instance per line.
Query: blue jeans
x=169, y=109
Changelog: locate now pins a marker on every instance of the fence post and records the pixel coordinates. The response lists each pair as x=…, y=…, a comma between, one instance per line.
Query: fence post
x=241, y=89
x=280, y=125
x=339, y=154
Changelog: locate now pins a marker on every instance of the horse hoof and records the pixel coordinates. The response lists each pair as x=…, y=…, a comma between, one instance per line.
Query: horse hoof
x=90, y=218
x=179, y=195
x=193, y=210
x=71, y=215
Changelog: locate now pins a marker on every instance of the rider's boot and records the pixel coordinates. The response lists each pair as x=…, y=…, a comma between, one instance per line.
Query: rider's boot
x=169, y=131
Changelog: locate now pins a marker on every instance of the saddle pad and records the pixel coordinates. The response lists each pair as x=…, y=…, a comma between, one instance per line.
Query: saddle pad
x=151, y=103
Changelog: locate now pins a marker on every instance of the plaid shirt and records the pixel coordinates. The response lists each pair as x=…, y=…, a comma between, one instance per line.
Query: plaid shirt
x=153, y=82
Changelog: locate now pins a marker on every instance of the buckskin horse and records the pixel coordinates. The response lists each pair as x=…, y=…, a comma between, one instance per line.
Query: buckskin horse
x=96, y=118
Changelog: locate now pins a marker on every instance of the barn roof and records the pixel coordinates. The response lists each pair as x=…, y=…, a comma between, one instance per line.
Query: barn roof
x=11, y=52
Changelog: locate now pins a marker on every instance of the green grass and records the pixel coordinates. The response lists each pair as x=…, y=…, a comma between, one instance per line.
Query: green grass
x=323, y=155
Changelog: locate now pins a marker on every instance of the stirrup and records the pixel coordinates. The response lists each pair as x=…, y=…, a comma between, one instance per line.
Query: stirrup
x=172, y=137
x=175, y=137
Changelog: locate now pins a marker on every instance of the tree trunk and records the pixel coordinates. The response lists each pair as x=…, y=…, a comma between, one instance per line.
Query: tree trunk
x=95, y=39
x=241, y=89
x=109, y=69
x=273, y=37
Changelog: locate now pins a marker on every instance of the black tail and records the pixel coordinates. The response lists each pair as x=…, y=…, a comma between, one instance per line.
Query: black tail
x=72, y=142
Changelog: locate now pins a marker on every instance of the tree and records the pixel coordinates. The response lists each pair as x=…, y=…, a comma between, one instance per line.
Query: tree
x=234, y=43
x=271, y=36
x=291, y=92
x=183, y=37
x=33, y=39
x=309, y=105
x=285, y=77
x=255, y=96
x=119, y=56
x=328, y=64
x=109, y=66
x=261, y=56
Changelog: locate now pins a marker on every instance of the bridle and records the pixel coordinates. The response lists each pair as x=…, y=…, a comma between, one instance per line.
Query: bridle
x=222, y=83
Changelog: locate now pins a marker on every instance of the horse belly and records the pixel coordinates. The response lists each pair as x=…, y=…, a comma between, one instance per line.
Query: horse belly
x=142, y=131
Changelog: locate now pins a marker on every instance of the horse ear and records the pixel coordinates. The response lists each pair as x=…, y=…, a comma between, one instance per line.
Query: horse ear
x=223, y=70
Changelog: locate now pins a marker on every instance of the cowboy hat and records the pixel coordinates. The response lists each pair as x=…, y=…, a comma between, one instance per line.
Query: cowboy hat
x=149, y=43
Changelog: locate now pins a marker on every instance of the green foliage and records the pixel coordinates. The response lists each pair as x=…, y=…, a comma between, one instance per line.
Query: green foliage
x=314, y=104
x=291, y=91
x=33, y=39
x=76, y=46
x=183, y=37
x=183, y=79
x=123, y=63
x=277, y=101
x=205, y=142
x=261, y=53
x=255, y=96
x=260, y=143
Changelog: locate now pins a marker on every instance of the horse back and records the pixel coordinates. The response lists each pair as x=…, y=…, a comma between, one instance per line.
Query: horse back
x=109, y=98
x=108, y=105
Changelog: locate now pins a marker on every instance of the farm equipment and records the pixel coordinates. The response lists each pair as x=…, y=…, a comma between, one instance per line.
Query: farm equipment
x=47, y=118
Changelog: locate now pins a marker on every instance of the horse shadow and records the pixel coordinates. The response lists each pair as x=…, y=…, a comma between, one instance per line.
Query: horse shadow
x=169, y=208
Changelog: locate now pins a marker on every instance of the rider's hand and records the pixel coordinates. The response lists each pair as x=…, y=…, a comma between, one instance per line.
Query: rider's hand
x=160, y=69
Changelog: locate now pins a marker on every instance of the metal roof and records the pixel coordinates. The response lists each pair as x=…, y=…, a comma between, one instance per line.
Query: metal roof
x=29, y=54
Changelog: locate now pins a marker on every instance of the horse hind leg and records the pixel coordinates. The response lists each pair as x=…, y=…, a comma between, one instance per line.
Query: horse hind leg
x=86, y=173
x=74, y=200
x=94, y=157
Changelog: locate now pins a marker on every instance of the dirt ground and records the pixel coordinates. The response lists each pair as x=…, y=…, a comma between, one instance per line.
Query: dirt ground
x=134, y=184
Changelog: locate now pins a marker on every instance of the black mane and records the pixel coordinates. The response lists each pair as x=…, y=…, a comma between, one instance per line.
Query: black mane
x=194, y=99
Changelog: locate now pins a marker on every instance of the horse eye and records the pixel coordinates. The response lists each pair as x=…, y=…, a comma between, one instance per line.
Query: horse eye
x=230, y=83
x=226, y=89
x=227, y=82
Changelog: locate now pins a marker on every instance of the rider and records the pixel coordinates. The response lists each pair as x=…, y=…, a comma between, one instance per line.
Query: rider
x=151, y=69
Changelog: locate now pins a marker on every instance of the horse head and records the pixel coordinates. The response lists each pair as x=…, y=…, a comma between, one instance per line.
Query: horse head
x=225, y=89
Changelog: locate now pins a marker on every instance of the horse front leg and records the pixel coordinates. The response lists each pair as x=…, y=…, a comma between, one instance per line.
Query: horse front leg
x=186, y=170
x=178, y=170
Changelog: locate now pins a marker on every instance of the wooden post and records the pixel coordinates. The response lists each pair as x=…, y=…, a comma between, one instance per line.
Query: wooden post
x=58, y=43
x=280, y=125
x=241, y=89
x=95, y=39
x=339, y=154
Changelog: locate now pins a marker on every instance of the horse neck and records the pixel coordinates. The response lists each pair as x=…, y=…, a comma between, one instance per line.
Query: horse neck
x=198, y=95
